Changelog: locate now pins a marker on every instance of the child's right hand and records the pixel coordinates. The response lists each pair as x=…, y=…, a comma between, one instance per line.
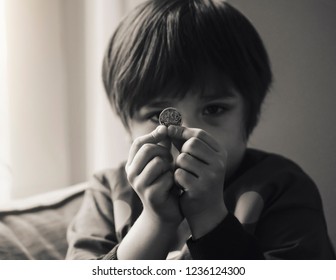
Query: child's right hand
x=149, y=171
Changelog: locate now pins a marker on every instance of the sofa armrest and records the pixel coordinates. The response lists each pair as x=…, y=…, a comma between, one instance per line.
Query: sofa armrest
x=35, y=227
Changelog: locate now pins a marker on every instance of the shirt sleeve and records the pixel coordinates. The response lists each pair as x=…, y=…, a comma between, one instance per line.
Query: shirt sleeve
x=295, y=233
x=289, y=234
x=228, y=240
x=91, y=235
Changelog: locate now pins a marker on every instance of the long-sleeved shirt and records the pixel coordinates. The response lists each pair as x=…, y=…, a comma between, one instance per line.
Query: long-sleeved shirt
x=275, y=212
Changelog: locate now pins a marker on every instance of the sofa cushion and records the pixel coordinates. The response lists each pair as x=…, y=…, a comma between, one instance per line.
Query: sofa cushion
x=35, y=227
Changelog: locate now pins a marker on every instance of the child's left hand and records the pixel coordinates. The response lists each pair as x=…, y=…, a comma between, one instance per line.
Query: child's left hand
x=200, y=171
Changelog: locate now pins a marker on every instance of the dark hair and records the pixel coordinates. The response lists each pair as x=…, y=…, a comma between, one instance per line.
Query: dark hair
x=164, y=42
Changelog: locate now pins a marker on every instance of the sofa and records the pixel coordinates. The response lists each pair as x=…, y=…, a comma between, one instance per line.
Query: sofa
x=35, y=227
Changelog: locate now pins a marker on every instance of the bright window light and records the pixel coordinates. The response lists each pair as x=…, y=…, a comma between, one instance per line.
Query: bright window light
x=5, y=169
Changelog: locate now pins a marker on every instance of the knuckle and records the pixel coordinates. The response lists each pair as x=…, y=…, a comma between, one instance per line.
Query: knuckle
x=154, y=134
x=161, y=164
x=178, y=173
x=199, y=133
x=131, y=174
x=137, y=185
x=181, y=157
x=194, y=141
x=141, y=184
x=129, y=178
x=190, y=144
x=157, y=161
x=181, y=177
x=146, y=148
x=137, y=143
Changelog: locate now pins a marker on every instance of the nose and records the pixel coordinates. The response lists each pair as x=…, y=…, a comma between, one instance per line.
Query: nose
x=188, y=119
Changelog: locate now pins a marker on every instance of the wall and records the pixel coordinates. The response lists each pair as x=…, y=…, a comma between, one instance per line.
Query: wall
x=36, y=75
x=61, y=127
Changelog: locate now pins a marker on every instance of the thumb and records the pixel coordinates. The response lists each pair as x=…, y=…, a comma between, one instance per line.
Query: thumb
x=175, y=134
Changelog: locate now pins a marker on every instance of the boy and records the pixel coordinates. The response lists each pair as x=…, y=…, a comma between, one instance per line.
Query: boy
x=195, y=191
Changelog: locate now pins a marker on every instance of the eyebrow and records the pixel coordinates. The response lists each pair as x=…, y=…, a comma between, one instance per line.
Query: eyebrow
x=158, y=103
x=228, y=95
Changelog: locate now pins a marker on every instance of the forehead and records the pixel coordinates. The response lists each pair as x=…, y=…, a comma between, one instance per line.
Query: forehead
x=202, y=90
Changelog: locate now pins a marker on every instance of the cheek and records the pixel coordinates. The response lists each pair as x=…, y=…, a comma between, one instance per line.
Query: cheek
x=232, y=144
x=231, y=132
x=232, y=141
x=138, y=129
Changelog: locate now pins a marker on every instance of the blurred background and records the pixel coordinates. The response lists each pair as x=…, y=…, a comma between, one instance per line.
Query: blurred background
x=57, y=128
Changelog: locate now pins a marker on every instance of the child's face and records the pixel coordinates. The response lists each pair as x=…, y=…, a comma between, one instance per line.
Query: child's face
x=220, y=115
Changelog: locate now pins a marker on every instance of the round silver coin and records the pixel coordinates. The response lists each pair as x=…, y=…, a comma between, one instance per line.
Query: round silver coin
x=170, y=116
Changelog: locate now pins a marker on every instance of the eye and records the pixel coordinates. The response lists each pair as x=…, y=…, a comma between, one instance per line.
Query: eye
x=214, y=109
x=154, y=117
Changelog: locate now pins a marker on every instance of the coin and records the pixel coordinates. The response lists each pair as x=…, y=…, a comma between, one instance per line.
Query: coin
x=170, y=116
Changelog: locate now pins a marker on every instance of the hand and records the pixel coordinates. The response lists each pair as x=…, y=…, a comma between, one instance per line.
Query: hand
x=149, y=171
x=200, y=171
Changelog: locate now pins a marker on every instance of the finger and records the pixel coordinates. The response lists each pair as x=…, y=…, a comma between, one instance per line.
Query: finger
x=199, y=149
x=159, y=134
x=146, y=153
x=190, y=164
x=164, y=183
x=184, y=179
x=165, y=143
x=184, y=133
x=153, y=170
